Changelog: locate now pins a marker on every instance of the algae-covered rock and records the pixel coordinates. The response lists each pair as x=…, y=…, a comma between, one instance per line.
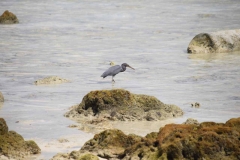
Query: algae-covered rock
x=208, y=140
x=8, y=18
x=51, y=80
x=13, y=145
x=121, y=105
x=215, y=42
x=99, y=109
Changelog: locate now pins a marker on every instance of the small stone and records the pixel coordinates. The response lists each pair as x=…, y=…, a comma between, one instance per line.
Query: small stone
x=197, y=105
x=8, y=18
x=62, y=140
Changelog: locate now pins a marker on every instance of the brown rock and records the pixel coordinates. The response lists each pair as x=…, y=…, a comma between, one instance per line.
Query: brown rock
x=8, y=18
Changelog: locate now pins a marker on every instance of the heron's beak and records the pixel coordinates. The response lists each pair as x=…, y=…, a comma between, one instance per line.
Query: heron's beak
x=131, y=67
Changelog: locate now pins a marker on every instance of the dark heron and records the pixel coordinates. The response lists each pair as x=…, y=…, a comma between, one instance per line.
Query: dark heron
x=112, y=71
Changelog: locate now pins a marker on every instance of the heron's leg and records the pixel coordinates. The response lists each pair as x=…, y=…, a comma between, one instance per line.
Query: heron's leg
x=113, y=80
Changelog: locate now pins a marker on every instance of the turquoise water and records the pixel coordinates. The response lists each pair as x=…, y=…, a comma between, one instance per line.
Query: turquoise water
x=77, y=39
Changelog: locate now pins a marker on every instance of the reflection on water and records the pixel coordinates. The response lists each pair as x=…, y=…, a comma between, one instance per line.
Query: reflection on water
x=214, y=56
x=75, y=39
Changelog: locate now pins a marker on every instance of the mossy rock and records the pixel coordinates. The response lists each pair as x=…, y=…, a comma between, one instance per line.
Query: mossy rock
x=13, y=145
x=121, y=105
x=8, y=18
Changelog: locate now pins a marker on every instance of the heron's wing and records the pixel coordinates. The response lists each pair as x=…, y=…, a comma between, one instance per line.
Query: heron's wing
x=112, y=71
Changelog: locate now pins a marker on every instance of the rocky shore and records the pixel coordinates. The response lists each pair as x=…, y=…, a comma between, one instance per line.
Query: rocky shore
x=104, y=106
x=207, y=140
x=12, y=144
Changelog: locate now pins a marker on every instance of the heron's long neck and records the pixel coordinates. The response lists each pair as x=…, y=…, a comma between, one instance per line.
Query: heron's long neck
x=123, y=68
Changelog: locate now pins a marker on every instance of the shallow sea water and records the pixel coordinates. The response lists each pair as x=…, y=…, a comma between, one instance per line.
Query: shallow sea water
x=77, y=39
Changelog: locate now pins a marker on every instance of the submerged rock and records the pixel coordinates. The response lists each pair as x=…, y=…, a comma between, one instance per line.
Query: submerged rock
x=12, y=144
x=104, y=106
x=208, y=140
x=8, y=18
x=51, y=80
x=215, y=42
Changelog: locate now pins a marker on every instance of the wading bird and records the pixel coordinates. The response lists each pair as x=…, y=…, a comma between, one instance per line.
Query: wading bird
x=112, y=71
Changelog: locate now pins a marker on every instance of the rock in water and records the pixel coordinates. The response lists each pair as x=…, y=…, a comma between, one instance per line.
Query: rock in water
x=99, y=109
x=121, y=105
x=51, y=80
x=8, y=18
x=215, y=42
x=13, y=145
